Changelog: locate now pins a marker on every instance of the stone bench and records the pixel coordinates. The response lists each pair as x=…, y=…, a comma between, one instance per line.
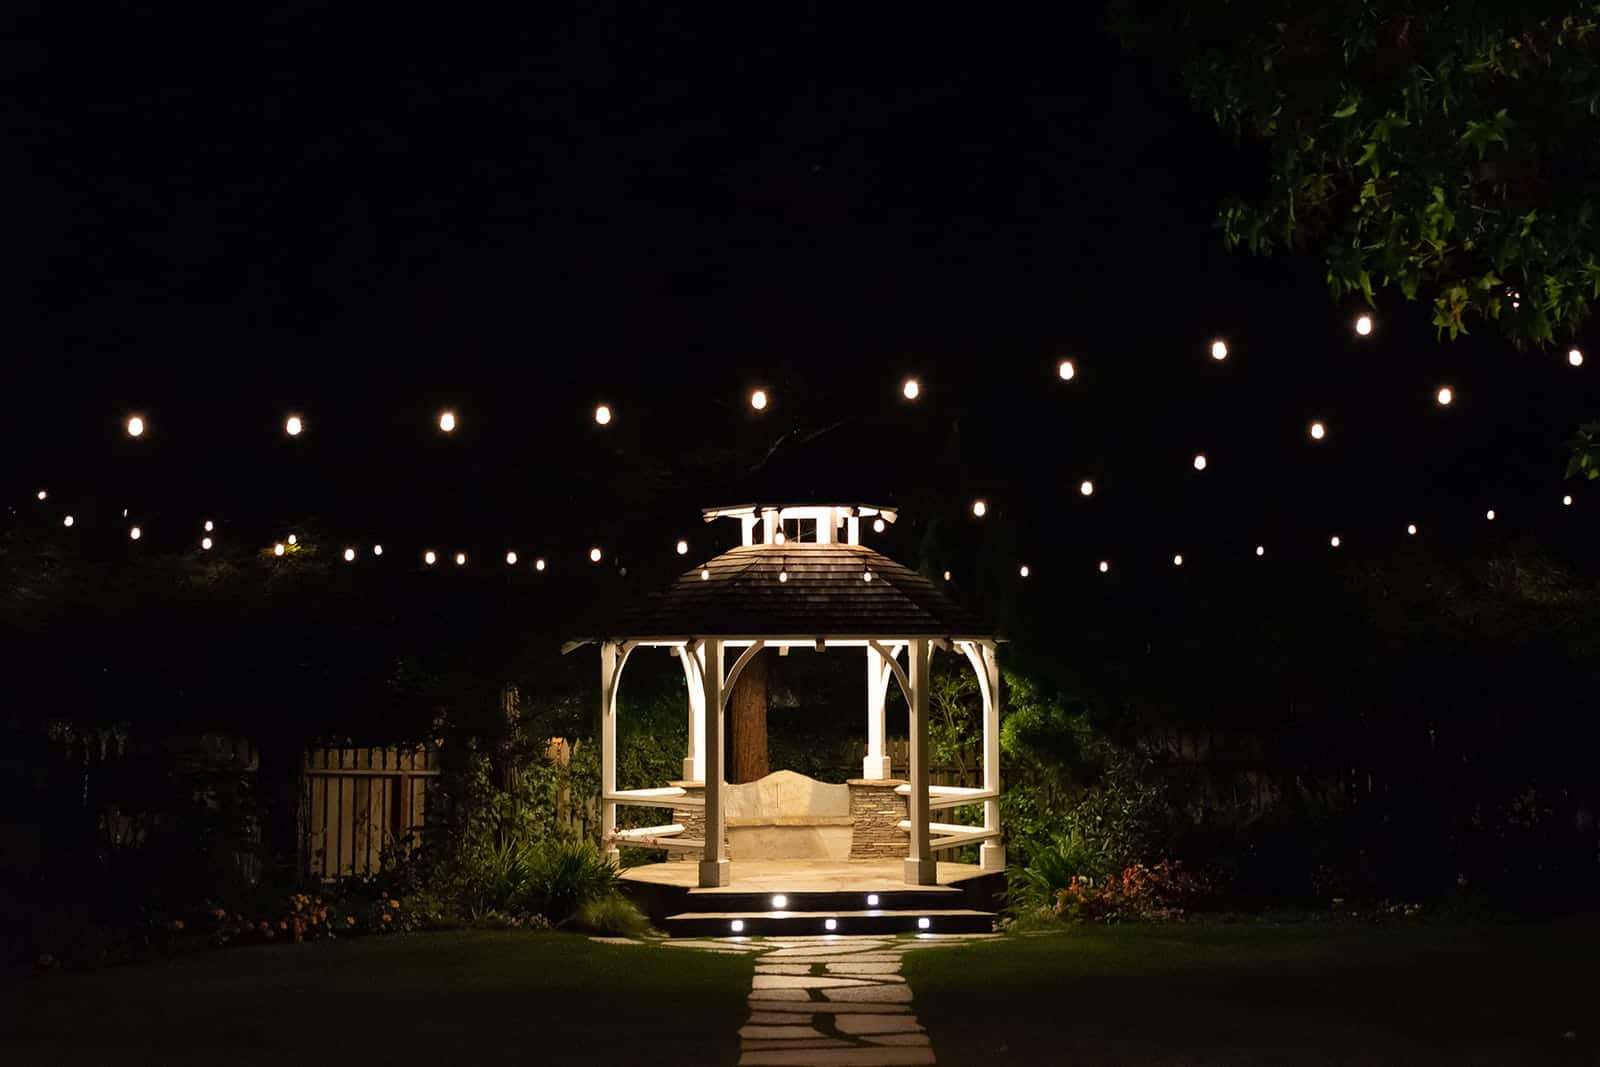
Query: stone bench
x=788, y=816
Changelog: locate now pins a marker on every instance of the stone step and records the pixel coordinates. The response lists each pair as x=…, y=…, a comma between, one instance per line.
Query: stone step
x=723, y=900
x=791, y=923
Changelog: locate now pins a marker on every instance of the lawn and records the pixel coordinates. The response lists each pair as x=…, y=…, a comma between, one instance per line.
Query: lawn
x=1253, y=993
x=473, y=997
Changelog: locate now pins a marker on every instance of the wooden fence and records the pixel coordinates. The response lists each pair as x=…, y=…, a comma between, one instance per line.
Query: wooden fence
x=361, y=802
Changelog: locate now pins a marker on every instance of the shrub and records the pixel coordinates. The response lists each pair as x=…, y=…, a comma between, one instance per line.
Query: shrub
x=564, y=875
x=613, y=915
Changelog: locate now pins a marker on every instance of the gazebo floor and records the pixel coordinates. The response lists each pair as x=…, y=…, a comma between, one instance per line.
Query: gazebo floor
x=799, y=897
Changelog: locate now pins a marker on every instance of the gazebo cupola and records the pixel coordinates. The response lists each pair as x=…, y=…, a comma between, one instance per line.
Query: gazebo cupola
x=801, y=578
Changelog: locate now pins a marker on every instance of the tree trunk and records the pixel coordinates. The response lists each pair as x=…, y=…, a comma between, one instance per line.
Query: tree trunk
x=747, y=722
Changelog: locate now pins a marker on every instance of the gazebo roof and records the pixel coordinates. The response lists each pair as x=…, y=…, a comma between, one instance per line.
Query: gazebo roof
x=739, y=594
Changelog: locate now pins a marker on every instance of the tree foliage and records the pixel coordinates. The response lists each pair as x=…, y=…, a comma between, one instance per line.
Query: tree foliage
x=1446, y=151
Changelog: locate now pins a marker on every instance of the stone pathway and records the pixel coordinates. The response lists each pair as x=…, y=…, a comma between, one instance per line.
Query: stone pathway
x=831, y=1001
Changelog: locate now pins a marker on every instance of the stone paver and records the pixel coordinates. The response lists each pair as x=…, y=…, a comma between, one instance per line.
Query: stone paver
x=875, y=994
x=877, y=1024
x=805, y=981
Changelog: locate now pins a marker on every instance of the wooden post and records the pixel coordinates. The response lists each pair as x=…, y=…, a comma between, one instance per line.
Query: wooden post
x=694, y=669
x=714, y=861
x=920, y=868
x=876, y=764
x=991, y=854
x=608, y=747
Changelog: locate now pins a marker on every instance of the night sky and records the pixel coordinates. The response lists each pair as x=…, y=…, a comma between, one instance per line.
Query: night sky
x=219, y=215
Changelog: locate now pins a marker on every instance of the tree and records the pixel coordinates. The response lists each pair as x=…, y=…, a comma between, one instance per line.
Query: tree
x=1447, y=151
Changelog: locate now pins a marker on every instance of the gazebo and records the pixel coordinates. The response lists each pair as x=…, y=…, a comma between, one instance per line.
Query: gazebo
x=802, y=579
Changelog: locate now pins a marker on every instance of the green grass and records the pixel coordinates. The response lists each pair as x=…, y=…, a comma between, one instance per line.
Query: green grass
x=1253, y=993
x=471, y=997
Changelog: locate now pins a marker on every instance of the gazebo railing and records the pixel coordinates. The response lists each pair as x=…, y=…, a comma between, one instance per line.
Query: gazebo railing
x=951, y=796
x=667, y=836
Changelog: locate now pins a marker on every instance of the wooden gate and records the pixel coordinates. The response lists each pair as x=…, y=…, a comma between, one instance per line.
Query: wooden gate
x=360, y=802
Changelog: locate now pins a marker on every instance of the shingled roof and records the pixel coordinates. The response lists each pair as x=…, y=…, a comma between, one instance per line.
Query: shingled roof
x=826, y=596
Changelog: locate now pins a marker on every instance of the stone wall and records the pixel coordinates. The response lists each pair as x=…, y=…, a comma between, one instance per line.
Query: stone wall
x=693, y=820
x=877, y=810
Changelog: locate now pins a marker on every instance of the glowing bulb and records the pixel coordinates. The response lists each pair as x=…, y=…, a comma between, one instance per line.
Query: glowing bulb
x=349, y=555
x=947, y=576
x=683, y=548
x=1566, y=501
x=538, y=564
x=758, y=400
x=594, y=555
x=1261, y=550
x=783, y=576
x=135, y=533
x=1105, y=566
x=209, y=526
x=1411, y=529
x=1575, y=357
x=830, y=924
x=979, y=508
x=1489, y=514
x=877, y=526
x=41, y=494
x=924, y=924
x=705, y=574
x=1086, y=487
x=1446, y=396
x=1318, y=431
x=911, y=389
x=461, y=559
x=779, y=538
x=1177, y=561
x=780, y=901
x=293, y=540
x=68, y=521
x=429, y=558
x=292, y=426
x=205, y=544
x=277, y=549
x=602, y=415
x=866, y=575
x=1334, y=541
x=447, y=421
x=872, y=900
x=1364, y=325
x=135, y=426
x=737, y=926
x=511, y=559
x=1219, y=349
x=1200, y=463
x=1066, y=370
x=1023, y=571
x=377, y=550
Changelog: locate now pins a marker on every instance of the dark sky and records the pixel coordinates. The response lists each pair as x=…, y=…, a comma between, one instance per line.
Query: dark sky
x=220, y=214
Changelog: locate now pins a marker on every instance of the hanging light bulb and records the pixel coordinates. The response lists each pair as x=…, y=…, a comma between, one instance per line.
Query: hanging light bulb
x=205, y=544
x=1105, y=566
x=594, y=554
x=349, y=555
x=705, y=574
x=1066, y=370
x=1364, y=325
x=1219, y=349
x=377, y=550
x=1411, y=529
x=511, y=559
x=135, y=426
x=538, y=564
x=429, y=558
x=209, y=526
x=878, y=525
x=683, y=548
x=1261, y=550
x=1489, y=514
x=68, y=521
x=135, y=533
x=602, y=415
x=1575, y=357
x=779, y=537
x=1318, y=431
x=866, y=575
x=1566, y=501
x=979, y=508
x=1022, y=571
x=461, y=559
x=277, y=549
x=783, y=574
x=758, y=399
x=947, y=576
x=447, y=421
x=1177, y=561
x=911, y=389
x=1446, y=396
x=1200, y=463
x=1086, y=487
x=41, y=494
x=293, y=425
x=1334, y=541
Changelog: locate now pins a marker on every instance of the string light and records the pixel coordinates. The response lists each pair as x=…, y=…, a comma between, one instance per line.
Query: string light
x=1261, y=550
x=1086, y=488
x=911, y=389
x=1575, y=357
x=511, y=559
x=1446, y=396
x=349, y=555
x=1566, y=501
x=594, y=555
x=538, y=564
x=377, y=550
x=947, y=576
x=878, y=526
x=602, y=415
x=705, y=574
x=780, y=537
x=1364, y=325
x=293, y=425
x=683, y=548
x=447, y=421
x=1334, y=541
x=205, y=544
x=866, y=575
x=135, y=533
x=277, y=549
x=1489, y=514
x=1411, y=529
x=1200, y=463
x=461, y=559
x=758, y=400
x=293, y=540
x=135, y=426
x=783, y=575
x=1318, y=431
x=1219, y=349
x=68, y=521
x=1066, y=370
x=429, y=558
x=209, y=526
x=1105, y=566
x=1023, y=571
x=1177, y=561
x=979, y=508
x=41, y=494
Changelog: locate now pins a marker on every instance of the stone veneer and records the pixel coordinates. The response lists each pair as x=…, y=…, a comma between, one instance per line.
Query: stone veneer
x=877, y=810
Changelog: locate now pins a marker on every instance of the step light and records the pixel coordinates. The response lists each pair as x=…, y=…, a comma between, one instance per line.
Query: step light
x=924, y=923
x=830, y=924
x=872, y=900
x=737, y=926
x=780, y=901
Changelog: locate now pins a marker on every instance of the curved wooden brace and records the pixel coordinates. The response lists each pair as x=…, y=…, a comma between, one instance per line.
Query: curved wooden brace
x=894, y=665
x=738, y=666
x=623, y=652
x=691, y=669
x=982, y=670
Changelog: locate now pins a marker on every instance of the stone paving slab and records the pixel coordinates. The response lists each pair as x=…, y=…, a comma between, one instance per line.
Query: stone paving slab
x=897, y=1039
x=852, y=967
x=821, y=1042
x=875, y=994
x=823, y=1007
x=783, y=968
x=804, y=981
x=773, y=1032
x=841, y=1057
x=779, y=994
x=877, y=1024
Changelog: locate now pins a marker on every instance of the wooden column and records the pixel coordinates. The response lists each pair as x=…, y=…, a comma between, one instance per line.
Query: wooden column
x=694, y=760
x=876, y=764
x=991, y=854
x=714, y=861
x=919, y=865
x=608, y=746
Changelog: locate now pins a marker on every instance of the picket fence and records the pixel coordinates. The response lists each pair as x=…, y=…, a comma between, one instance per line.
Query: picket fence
x=362, y=803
